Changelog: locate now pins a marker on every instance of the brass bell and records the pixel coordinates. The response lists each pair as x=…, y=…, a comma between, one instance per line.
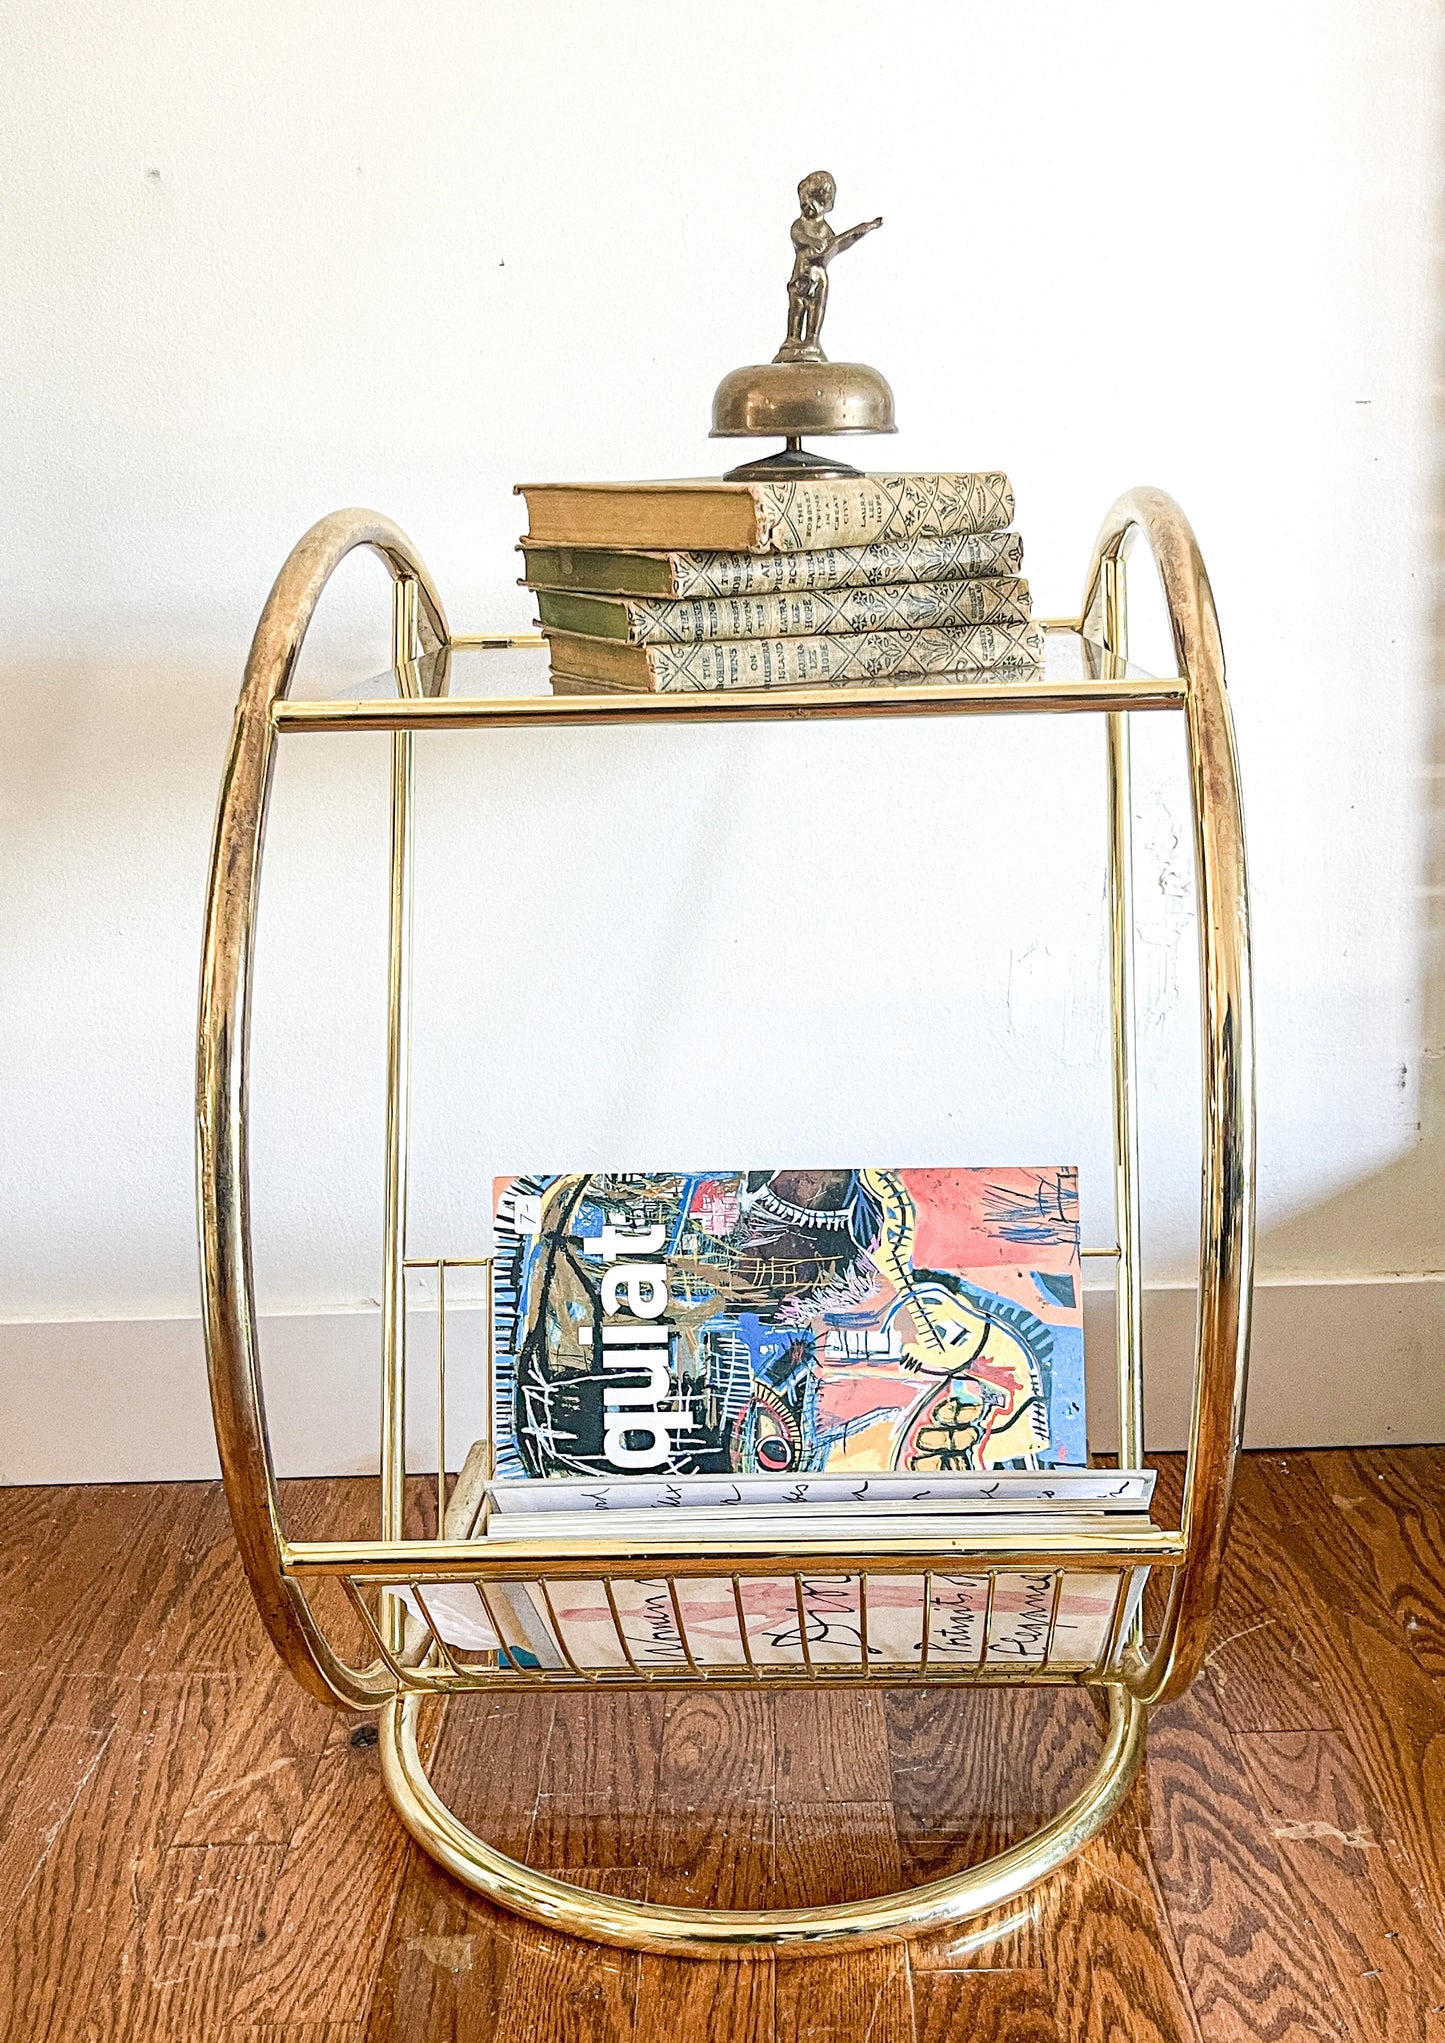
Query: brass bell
x=800, y=391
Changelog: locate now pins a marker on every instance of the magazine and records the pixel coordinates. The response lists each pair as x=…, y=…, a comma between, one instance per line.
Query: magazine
x=917, y=1323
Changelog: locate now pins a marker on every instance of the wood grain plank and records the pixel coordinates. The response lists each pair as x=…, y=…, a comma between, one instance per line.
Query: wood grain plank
x=254, y=1783
x=561, y=1990
x=719, y=1751
x=858, y=1997
x=445, y=1963
x=54, y=1728
x=606, y=1747
x=973, y=1772
x=1262, y=1671
x=831, y=1742
x=35, y=1525
x=1394, y=1506
x=984, y=1766
x=491, y=1762
x=100, y=1540
x=191, y=1930
x=1110, y=1952
x=320, y=1943
x=839, y=1851
x=77, y=1912
x=1348, y=1871
x=1254, y=1967
x=1256, y=1661
x=679, y=2000
x=1391, y=1713
x=833, y=1851
x=986, y=2007
x=292, y=2032
x=711, y=1841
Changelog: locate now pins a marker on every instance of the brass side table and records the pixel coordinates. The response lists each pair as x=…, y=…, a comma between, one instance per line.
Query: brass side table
x=1087, y=674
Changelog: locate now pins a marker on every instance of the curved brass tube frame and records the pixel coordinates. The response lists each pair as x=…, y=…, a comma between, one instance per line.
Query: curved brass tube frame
x=222, y=1073
x=1226, y=1224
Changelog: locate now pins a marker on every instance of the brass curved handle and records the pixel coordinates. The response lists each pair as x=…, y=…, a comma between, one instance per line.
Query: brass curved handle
x=1227, y=1210
x=222, y=1058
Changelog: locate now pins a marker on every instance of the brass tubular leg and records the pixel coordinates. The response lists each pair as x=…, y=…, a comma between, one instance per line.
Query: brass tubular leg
x=1129, y=1282
x=1226, y=1248
x=222, y=1087
x=398, y=1106
x=753, y=1932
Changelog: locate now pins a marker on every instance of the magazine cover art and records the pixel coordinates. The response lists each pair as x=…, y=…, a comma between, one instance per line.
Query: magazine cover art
x=788, y=1322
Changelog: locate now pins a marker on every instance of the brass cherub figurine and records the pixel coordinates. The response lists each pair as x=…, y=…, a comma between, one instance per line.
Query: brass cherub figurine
x=815, y=244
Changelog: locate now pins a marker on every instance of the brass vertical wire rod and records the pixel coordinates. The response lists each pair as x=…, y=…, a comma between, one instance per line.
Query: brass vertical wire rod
x=611, y=1594
x=1055, y=1600
x=441, y=1397
x=583, y=1674
x=533, y=1674
x=742, y=1624
x=1113, y=1639
x=802, y=1623
x=398, y=1100
x=682, y=1637
x=1128, y=1276
x=435, y=1629
x=377, y=1632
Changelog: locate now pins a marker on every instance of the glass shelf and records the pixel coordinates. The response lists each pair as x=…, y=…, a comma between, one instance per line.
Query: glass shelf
x=500, y=681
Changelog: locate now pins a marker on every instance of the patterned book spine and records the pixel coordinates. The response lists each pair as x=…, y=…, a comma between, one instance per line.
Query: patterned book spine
x=913, y=606
x=828, y=661
x=932, y=558
x=800, y=517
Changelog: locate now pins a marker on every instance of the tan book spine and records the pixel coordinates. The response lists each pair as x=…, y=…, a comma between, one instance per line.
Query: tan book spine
x=915, y=606
x=935, y=557
x=771, y=517
x=799, y=662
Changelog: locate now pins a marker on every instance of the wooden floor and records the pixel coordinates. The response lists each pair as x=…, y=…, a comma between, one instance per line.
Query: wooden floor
x=189, y=1848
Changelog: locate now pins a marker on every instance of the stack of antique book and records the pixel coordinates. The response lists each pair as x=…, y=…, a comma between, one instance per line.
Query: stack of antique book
x=798, y=583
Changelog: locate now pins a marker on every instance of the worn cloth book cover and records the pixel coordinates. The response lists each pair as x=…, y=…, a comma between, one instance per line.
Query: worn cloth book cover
x=932, y=557
x=814, y=662
x=787, y=1321
x=764, y=517
x=898, y=606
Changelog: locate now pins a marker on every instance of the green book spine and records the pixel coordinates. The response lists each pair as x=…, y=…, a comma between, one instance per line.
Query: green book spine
x=931, y=558
x=911, y=606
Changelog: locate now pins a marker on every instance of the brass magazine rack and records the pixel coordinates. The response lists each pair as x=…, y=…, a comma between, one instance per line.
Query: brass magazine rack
x=406, y=1658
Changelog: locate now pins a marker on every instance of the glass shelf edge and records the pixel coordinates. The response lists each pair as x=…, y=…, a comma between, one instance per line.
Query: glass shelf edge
x=452, y=712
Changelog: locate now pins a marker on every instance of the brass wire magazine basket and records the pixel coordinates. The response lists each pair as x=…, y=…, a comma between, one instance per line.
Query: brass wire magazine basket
x=387, y=1581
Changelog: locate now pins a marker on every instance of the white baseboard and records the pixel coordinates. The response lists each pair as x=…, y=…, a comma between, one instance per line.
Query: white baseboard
x=1336, y=1362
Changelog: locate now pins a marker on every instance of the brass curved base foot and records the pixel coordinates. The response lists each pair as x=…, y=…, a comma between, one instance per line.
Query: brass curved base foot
x=718, y=1932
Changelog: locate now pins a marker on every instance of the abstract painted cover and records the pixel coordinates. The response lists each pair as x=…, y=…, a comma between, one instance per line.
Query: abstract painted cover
x=779, y=1322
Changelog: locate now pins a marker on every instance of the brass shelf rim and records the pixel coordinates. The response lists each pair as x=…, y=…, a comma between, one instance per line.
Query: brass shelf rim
x=455, y=712
x=449, y=1560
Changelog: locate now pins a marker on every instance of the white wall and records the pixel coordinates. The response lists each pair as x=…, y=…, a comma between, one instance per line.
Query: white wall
x=264, y=261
